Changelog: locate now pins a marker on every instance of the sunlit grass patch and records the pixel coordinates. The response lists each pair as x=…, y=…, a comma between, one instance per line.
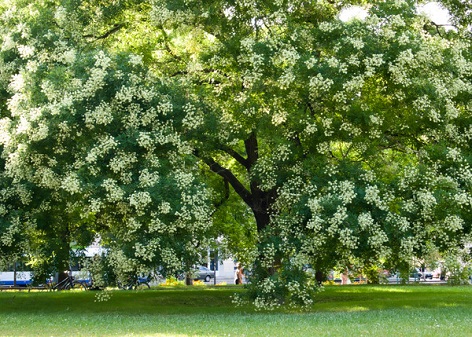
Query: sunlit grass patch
x=208, y=311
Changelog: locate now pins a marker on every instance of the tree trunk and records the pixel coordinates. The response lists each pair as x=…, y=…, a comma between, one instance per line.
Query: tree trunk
x=14, y=274
x=261, y=205
x=188, y=279
x=63, y=260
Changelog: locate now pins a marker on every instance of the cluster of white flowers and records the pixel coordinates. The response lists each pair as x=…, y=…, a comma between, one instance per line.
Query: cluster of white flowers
x=283, y=152
x=96, y=80
x=310, y=128
x=103, y=296
x=373, y=197
x=348, y=239
x=104, y=145
x=287, y=57
x=17, y=83
x=454, y=154
x=26, y=51
x=95, y=205
x=157, y=226
x=169, y=257
x=132, y=226
x=266, y=170
x=406, y=247
x=463, y=199
x=336, y=221
x=354, y=85
x=253, y=60
x=238, y=300
x=193, y=118
x=148, y=178
x=373, y=62
x=8, y=43
x=101, y=115
x=268, y=253
x=140, y=200
x=122, y=162
x=7, y=238
x=183, y=180
x=400, y=222
x=453, y=223
x=125, y=94
x=427, y=201
x=319, y=85
x=279, y=117
x=114, y=192
x=148, y=251
x=410, y=175
x=266, y=301
x=71, y=183
x=47, y=178
x=299, y=296
x=405, y=61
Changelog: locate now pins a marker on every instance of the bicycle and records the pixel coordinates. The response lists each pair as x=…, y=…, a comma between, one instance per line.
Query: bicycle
x=85, y=284
x=69, y=283
x=65, y=284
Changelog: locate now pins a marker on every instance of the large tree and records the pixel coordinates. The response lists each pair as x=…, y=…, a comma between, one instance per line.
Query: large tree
x=348, y=141
x=91, y=130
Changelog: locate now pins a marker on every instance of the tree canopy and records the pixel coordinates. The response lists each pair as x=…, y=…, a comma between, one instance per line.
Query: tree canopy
x=160, y=124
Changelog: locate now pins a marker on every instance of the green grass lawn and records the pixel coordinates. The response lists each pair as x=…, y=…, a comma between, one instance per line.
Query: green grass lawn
x=207, y=311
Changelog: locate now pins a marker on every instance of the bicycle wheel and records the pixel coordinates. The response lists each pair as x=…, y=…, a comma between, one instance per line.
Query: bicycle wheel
x=83, y=286
x=122, y=286
x=62, y=285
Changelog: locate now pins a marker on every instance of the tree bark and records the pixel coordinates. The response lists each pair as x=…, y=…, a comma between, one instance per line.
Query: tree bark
x=258, y=200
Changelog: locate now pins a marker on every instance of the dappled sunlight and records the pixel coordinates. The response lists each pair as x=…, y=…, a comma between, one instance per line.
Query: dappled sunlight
x=158, y=335
x=356, y=308
x=389, y=289
x=361, y=310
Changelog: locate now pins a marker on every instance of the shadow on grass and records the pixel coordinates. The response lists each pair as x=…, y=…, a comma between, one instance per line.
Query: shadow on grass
x=162, y=301
x=216, y=300
x=357, y=310
x=364, y=298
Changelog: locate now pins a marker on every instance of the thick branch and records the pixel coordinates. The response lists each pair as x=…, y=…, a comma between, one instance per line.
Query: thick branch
x=240, y=159
x=116, y=27
x=252, y=150
x=229, y=176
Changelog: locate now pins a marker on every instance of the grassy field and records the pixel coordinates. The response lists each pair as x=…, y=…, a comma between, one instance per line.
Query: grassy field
x=208, y=311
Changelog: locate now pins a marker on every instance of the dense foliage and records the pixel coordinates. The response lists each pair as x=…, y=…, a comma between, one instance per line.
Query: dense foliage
x=141, y=121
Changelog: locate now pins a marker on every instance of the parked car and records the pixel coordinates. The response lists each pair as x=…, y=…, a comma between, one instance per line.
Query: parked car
x=415, y=276
x=425, y=274
x=204, y=273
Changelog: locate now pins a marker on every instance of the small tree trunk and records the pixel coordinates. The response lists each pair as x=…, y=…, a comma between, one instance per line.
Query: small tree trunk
x=14, y=274
x=188, y=279
x=320, y=276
